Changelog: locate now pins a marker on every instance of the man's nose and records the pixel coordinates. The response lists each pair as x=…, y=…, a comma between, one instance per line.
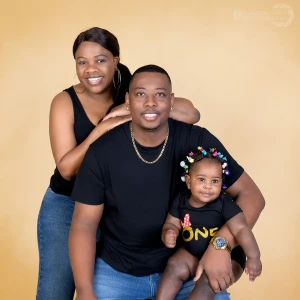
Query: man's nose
x=150, y=101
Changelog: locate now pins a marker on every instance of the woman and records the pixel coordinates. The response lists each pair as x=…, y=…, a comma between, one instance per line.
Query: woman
x=77, y=120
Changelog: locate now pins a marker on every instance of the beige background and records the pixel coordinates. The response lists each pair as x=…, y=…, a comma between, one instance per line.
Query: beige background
x=240, y=69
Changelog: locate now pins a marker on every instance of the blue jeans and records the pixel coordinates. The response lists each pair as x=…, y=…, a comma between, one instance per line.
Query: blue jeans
x=55, y=281
x=110, y=284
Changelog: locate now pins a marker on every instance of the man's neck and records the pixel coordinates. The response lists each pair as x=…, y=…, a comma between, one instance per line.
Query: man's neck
x=150, y=138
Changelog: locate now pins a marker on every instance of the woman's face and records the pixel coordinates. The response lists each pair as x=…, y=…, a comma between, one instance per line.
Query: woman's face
x=95, y=67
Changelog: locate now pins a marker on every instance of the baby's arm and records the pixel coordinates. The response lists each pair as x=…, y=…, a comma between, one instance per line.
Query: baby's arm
x=241, y=231
x=170, y=231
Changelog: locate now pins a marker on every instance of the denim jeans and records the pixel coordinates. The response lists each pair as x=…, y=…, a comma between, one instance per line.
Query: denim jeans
x=110, y=284
x=55, y=280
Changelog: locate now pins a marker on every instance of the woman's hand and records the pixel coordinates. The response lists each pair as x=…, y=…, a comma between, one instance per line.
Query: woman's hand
x=118, y=111
x=112, y=122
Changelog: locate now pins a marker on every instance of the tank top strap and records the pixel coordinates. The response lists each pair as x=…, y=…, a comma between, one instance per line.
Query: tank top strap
x=77, y=106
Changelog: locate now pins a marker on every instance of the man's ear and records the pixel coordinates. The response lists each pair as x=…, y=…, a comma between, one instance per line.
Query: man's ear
x=127, y=99
x=188, y=181
x=172, y=99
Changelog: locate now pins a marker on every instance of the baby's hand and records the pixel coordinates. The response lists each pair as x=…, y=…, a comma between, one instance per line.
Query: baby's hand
x=169, y=238
x=253, y=268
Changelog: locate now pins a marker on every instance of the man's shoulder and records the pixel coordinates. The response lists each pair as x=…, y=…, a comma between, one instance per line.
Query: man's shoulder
x=180, y=127
x=113, y=138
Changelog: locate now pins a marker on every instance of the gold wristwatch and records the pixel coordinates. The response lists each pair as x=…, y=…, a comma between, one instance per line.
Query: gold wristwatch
x=220, y=244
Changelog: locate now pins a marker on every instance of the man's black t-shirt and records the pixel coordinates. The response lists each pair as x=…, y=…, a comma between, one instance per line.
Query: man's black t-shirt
x=200, y=224
x=137, y=195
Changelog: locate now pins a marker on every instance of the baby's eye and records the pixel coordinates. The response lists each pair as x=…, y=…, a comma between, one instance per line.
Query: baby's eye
x=215, y=181
x=201, y=179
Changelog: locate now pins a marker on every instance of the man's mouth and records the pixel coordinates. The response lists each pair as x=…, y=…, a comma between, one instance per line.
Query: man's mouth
x=150, y=116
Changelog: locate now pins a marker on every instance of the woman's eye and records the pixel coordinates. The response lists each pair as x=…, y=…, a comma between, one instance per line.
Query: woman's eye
x=82, y=63
x=99, y=61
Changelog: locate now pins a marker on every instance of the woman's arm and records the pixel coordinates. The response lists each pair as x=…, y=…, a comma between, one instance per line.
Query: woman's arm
x=67, y=155
x=82, y=247
x=184, y=110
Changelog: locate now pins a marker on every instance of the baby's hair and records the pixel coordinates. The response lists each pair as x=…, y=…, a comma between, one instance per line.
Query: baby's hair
x=211, y=154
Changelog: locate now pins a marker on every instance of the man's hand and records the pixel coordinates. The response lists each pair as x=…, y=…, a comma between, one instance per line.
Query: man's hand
x=218, y=268
x=253, y=268
x=169, y=238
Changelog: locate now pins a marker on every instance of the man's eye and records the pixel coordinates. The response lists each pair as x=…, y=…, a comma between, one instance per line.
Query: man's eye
x=140, y=94
x=160, y=94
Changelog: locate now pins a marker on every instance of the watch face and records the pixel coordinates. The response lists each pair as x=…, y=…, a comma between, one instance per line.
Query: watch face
x=220, y=242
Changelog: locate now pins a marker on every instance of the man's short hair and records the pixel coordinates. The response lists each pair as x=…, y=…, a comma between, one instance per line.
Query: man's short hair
x=150, y=69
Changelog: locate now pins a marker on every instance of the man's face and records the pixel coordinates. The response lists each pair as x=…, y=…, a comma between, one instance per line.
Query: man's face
x=150, y=100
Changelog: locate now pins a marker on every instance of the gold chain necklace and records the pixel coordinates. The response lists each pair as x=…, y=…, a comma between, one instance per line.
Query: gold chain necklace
x=138, y=153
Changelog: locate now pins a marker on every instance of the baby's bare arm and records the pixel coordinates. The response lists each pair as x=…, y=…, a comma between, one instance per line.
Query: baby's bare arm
x=170, y=231
x=245, y=237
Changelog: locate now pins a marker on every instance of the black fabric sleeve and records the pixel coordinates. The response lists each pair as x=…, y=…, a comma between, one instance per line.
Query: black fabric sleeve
x=89, y=184
x=174, y=208
x=208, y=140
x=230, y=208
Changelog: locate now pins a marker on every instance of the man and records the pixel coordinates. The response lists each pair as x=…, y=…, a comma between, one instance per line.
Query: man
x=127, y=180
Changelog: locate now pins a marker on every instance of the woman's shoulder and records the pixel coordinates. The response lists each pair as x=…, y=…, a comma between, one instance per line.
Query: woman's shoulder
x=62, y=100
x=61, y=105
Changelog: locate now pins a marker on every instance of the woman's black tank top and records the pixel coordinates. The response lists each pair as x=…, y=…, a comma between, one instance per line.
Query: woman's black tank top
x=82, y=128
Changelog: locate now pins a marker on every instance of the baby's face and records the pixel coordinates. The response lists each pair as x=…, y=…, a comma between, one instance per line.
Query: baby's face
x=204, y=181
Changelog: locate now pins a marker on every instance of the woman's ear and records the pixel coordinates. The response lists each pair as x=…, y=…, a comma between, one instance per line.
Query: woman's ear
x=116, y=61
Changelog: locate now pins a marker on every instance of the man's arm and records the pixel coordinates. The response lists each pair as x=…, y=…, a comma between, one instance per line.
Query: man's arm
x=249, y=198
x=82, y=247
x=217, y=263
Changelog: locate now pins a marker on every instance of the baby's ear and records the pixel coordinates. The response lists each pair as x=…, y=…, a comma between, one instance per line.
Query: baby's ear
x=188, y=181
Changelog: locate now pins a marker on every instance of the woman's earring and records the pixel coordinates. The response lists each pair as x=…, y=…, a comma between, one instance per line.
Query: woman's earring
x=117, y=83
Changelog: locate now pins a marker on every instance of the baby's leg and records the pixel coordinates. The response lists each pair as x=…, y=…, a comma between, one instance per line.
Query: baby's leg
x=202, y=289
x=181, y=266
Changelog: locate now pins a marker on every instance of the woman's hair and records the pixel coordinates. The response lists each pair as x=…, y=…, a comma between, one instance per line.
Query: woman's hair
x=108, y=41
